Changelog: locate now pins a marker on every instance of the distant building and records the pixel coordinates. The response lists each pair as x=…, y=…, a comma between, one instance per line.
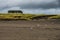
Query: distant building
x=15, y=11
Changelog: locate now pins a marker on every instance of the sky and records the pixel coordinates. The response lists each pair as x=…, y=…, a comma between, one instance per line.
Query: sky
x=31, y=6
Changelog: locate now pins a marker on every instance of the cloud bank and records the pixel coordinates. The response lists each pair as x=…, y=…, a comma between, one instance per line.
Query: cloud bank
x=31, y=6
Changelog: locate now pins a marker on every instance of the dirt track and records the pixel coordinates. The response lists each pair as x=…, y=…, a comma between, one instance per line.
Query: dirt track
x=29, y=30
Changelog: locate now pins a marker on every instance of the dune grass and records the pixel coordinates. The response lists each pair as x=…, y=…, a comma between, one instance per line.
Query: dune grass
x=26, y=16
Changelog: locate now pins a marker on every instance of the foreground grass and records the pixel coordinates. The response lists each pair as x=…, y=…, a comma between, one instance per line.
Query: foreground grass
x=28, y=16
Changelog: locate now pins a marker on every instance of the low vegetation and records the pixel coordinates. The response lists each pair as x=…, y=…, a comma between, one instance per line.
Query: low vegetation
x=28, y=16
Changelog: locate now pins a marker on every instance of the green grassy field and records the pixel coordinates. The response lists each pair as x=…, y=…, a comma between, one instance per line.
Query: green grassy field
x=28, y=16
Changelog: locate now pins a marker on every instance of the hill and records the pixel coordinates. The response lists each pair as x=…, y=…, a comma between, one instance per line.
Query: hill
x=18, y=16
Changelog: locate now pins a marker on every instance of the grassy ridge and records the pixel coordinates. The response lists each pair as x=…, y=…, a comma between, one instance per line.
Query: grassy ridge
x=28, y=16
x=16, y=16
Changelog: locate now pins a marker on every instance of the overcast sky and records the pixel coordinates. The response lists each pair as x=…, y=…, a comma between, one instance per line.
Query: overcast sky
x=31, y=6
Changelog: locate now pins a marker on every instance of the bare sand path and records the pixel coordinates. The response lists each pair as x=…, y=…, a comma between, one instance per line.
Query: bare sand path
x=29, y=30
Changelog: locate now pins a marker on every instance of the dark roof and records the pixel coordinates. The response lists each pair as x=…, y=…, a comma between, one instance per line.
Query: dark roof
x=15, y=11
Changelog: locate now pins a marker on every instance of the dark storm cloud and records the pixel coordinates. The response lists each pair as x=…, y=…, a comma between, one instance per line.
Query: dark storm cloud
x=59, y=3
x=44, y=6
x=34, y=4
x=54, y=4
x=38, y=6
